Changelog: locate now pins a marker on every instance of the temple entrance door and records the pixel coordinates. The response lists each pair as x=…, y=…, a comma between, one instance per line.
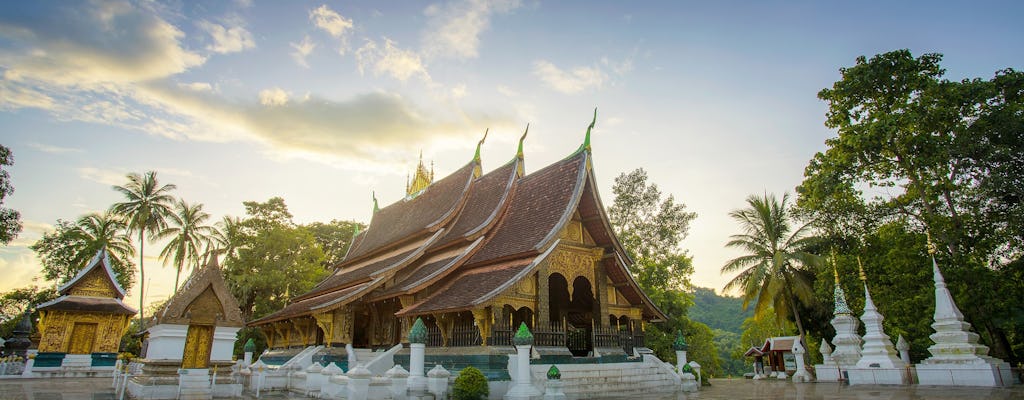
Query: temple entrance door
x=198, y=341
x=360, y=329
x=558, y=298
x=580, y=318
x=83, y=335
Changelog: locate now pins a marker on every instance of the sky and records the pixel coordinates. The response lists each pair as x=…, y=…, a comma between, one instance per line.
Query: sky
x=324, y=103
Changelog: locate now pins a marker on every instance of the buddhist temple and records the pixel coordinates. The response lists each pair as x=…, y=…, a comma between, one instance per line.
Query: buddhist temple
x=81, y=330
x=188, y=339
x=475, y=254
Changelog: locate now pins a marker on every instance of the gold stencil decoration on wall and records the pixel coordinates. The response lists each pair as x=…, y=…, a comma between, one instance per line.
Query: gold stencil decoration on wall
x=198, y=341
x=93, y=284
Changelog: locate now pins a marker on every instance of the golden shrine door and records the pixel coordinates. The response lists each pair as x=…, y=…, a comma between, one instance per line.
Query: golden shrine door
x=83, y=335
x=197, y=347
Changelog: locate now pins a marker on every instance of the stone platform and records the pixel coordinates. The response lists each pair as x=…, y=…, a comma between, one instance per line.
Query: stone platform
x=99, y=389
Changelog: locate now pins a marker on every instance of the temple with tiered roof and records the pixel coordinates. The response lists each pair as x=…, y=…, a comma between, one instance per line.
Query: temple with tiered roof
x=474, y=255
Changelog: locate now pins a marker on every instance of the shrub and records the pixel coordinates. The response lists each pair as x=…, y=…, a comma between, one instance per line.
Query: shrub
x=470, y=385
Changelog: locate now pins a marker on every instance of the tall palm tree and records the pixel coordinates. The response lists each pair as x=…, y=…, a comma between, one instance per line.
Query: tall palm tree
x=223, y=239
x=188, y=234
x=146, y=207
x=771, y=272
x=95, y=231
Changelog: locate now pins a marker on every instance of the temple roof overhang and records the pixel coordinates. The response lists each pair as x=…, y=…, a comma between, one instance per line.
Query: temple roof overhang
x=87, y=304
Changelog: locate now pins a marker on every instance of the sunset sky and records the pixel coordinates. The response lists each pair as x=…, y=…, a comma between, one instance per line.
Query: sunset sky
x=322, y=103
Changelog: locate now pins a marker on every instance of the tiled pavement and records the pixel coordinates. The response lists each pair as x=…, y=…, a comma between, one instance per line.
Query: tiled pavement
x=738, y=389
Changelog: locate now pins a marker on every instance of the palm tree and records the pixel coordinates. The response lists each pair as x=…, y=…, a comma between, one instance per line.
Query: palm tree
x=771, y=272
x=224, y=236
x=145, y=208
x=95, y=231
x=188, y=234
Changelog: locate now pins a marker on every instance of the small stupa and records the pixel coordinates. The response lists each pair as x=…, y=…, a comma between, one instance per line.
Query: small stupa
x=957, y=357
x=847, y=342
x=879, y=362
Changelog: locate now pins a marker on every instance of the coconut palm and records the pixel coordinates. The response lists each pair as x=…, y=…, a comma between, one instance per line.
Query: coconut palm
x=95, y=231
x=188, y=233
x=224, y=236
x=146, y=207
x=772, y=272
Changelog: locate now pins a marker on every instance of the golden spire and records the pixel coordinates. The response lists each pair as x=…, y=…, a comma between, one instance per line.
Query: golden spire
x=863, y=276
x=421, y=179
x=835, y=271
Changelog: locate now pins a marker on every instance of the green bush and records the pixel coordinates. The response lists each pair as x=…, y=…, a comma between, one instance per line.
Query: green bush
x=470, y=385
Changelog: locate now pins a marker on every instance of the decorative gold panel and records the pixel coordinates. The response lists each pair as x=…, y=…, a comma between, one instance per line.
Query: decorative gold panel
x=198, y=343
x=206, y=308
x=94, y=284
x=483, y=323
x=574, y=261
x=83, y=335
x=58, y=330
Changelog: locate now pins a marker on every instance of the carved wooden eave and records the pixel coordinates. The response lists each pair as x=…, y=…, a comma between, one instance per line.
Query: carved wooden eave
x=102, y=261
x=204, y=298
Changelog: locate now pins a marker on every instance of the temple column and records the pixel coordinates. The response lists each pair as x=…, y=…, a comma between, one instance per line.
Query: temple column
x=406, y=301
x=483, y=324
x=601, y=294
x=543, y=294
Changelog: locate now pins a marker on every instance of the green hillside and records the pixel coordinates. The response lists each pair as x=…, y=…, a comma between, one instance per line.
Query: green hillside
x=724, y=315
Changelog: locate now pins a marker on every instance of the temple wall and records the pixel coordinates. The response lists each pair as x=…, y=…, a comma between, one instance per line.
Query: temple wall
x=102, y=330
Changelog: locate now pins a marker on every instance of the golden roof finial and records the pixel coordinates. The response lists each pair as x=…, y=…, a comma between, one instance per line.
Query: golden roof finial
x=835, y=270
x=863, y=276
x=421, y=179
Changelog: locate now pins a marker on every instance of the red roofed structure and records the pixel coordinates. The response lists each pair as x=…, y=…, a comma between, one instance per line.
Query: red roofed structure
x=475, y=255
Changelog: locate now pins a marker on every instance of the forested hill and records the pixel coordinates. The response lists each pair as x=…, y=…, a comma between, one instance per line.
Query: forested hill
x=718, y=312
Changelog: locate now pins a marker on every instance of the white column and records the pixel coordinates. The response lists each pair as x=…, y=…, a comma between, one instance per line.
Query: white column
x=417, y=379
x=522, y=388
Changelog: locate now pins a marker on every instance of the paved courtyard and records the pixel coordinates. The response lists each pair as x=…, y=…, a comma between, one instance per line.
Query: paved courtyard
x=737, y=389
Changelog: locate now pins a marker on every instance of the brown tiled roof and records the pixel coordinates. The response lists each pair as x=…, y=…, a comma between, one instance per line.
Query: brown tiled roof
x=91, y=304
x=485, y=198
x=346, y=276
x=398, y=221
x=469, y=289
x=541, y=202
x=304, y=306
x=99, y=261
x=430, y=272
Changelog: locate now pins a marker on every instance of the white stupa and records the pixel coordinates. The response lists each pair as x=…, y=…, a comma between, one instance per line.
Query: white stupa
x=847, y=341
x=957, y=358
x=879, y=364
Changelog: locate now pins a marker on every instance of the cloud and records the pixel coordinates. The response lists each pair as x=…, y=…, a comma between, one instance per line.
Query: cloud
x=122, y=65
x=454, y=29
x=197, y=86
x=302, y=50
x=507, y=91
x=334, y=24
x=392, y=60
x=273, y=97
x=111, y=42
x=569, y=82
x=104, y=176
x=45, y=148
x=227, y=39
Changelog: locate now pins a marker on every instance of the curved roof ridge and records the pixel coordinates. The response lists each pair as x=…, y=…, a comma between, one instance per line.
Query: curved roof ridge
x=486, y=198
x=101, y=256
x=541, y=204
x=404, y=218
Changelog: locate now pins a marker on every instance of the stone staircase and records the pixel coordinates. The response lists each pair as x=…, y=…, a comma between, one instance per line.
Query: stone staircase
x=590, y=381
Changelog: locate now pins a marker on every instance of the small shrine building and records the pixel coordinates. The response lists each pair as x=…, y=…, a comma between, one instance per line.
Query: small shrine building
x=474, y=255
x=81, y=330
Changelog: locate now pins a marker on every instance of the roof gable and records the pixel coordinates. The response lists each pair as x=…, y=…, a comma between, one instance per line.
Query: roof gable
x=95, y=280
x=204, y=298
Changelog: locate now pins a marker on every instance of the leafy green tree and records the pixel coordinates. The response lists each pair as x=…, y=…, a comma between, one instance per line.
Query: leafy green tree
x=274, y=260
x=651, y=227
x=71, y=246
x=146, y=207
x=772, y=273
x=187, y=233
x=10, y=223
x=932, y=155
x=15, y=302
x=334, y=238
x=221, y=236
